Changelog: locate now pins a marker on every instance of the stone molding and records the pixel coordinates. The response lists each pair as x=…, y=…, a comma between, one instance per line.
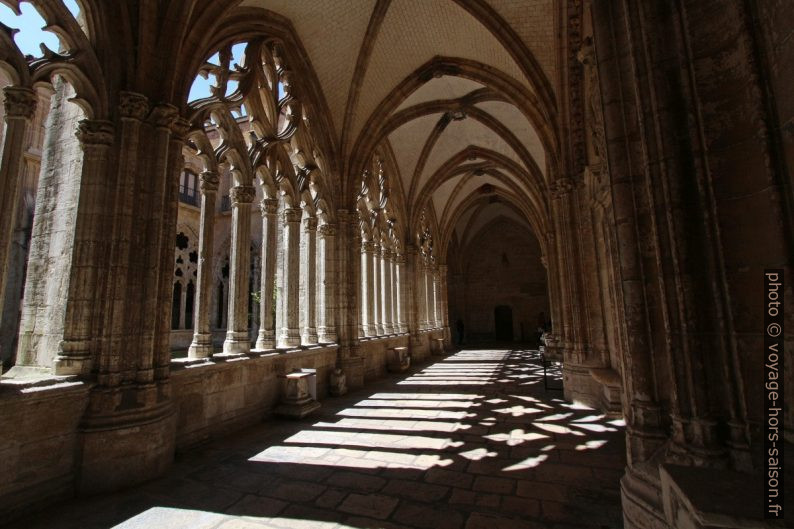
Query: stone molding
x=20, y=102
x=292, y=215
x=209, y=182
x=133, y=105
x=242, y=195
x=327, y=230
x=310, y=224
x=95, y=132
x=269, y=206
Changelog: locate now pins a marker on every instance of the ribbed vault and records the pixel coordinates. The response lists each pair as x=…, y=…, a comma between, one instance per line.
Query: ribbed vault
x=463, y=108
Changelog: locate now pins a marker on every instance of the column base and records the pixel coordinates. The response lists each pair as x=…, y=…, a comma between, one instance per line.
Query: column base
x=289, y=338
x=580, y=386
x=265, y=340
x=73, y=364
x=121, y=444
x=236, y=343
x=338, y=383
x=309, y=337
x=641, y=499
x=327, y=335
x=354, y=371
x=201, y=347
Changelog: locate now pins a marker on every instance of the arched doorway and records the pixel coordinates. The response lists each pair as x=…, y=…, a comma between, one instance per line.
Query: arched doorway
x=503, y=323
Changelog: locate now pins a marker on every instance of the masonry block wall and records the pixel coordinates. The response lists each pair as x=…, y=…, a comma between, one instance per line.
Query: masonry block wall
x=503, y=268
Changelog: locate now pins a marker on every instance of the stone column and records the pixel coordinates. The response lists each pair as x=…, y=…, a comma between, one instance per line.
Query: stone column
x=361, y=286
x=308, y=278
x=413, y=292
x=427, y=306
x=444, y=308
x=74, y=354
x=436, y=298
x=182, y=305
x=386, y=291
x=401, y=297
x=368, y=288
x=290, y=333
x=237, y=339
x=395, y=294
x=20, y=106
x=377, y=255
x=266, y=339
x=256, y=279
x=327, y=305
x=201, y=347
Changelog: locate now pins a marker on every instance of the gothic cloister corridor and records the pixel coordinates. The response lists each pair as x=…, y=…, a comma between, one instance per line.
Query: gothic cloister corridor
x=243, y=241
x=470, y=441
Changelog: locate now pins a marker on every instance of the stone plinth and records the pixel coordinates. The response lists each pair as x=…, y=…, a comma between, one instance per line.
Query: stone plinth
x=612, y=388
x=338, y=383
x=297, y=401
x=398, y=360
x=437, y=346
x=354, y=371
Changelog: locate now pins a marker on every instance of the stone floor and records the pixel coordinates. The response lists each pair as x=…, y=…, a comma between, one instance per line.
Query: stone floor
x=471, y=441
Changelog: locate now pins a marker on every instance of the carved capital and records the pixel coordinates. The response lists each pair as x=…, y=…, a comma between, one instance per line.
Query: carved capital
x=310, y=224
x=94, y=132
x=163, y=115
x=292, y=215
x=269, y=206
x=133, y=105
x=209, y=181
x=242, y=195
x=327, y=230
x=179, y=128
x=561, y=187
x=20, y=102
x=368, y=247
x=399, y=259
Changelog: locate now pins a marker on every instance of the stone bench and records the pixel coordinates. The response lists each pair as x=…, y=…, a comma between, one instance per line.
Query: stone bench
x=398, y=360
x=299, y=397
x=437, y=346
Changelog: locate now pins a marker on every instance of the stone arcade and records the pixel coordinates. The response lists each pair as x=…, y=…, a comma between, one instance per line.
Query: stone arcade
x=359, y=186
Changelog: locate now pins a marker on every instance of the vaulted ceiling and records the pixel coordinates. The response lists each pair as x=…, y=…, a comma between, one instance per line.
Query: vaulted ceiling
x=475, y=138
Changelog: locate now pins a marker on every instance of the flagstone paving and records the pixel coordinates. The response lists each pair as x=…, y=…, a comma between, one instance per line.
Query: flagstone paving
x=471, y=441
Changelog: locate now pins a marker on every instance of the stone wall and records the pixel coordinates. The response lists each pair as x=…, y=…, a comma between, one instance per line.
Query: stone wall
x=374, y=353
x=38, y=443
x=502, y=268
x=214, y=397
x=211, y=398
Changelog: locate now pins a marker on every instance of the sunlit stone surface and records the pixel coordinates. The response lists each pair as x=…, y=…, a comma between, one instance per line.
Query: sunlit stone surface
x=411, y=451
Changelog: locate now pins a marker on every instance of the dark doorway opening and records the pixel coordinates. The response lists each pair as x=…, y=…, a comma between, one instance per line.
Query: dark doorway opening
x=503, y=318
